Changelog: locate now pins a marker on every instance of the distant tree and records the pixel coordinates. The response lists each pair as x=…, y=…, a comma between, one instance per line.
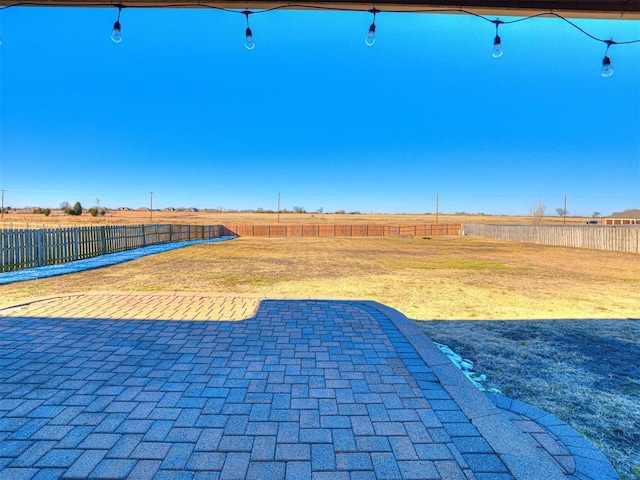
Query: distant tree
x=64, y=206
x=562, y=212
x=44, y=211
x=297, y=209
x=320, y=210
x=95, y=211
x=537, y=211
x=75, y=210
x=596, y=214
x=340, y=212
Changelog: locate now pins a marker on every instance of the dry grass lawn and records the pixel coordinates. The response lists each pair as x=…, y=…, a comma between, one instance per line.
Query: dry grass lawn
x=585, y=371
x=437, y=278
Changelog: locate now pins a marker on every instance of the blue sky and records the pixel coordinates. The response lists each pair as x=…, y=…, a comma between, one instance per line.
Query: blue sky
x=182, y=109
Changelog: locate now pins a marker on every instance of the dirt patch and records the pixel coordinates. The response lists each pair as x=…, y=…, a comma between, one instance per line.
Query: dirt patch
x=586, y=372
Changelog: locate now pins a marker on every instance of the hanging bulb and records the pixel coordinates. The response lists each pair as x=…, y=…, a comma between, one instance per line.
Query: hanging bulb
x=248, y=43
x=248, y=34
x=497, y=48
x=116, y=34
x=371, y=36
x=607, y=70
x=497, y=43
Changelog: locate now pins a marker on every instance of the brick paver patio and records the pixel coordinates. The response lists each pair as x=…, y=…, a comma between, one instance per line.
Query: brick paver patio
x=288, y=390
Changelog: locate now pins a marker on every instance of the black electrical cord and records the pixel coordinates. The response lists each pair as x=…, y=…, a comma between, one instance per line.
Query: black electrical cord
x=293, y=6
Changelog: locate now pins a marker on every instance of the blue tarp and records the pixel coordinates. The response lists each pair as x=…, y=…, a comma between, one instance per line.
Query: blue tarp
x=97, y=262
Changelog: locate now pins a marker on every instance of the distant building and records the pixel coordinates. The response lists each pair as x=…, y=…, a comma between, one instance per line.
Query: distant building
x=628, y=217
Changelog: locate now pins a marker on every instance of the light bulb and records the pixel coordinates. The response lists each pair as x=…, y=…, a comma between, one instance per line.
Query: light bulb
x=248, y=43
x=371, y=36
x=607, y=70
x=497, y=48
x=116, y=35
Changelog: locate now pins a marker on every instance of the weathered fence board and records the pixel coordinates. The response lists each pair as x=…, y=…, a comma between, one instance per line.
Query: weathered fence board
x=26, y=248
x=617, y=238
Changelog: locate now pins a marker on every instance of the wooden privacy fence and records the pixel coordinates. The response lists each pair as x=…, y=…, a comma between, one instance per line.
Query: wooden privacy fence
x=282, y=231
x=599, y=237
x=22, y=248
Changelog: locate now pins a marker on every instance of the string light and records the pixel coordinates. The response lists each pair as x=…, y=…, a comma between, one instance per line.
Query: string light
x=607, y=70
x=497, y=43
x=371, y=36
x=116, y=34
x=248, y=43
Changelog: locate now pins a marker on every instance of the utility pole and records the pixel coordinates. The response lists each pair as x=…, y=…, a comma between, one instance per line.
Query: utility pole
x=564, y=211
x=437, y=208
x=151, y=207
x=278, y=207
x=2, y=209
